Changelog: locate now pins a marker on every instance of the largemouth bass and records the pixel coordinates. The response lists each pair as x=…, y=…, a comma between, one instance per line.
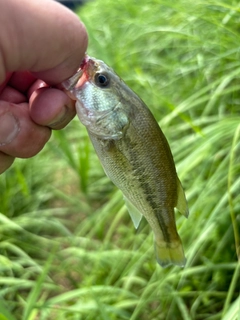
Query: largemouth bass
x=133, y=152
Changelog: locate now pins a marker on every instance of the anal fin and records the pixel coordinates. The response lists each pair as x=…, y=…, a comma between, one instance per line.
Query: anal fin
x=181, y=201
x=135, y=214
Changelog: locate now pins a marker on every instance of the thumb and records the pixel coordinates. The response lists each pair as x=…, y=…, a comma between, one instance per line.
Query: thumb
x=43, y=37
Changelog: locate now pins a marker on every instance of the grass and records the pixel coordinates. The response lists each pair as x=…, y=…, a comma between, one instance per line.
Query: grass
x=68, y=249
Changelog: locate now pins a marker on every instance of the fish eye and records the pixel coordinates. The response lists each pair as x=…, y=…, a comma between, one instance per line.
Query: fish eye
x=101, y=80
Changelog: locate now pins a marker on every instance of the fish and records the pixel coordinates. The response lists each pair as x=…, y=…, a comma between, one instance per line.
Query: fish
x=133, y=151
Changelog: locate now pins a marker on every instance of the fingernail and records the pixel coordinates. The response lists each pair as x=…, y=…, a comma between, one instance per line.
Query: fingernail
x=9, y=128
x=60, y=118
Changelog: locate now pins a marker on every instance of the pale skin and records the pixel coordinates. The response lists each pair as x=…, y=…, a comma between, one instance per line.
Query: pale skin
x=41, y=44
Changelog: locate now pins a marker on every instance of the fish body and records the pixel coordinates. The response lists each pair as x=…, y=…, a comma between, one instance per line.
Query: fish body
x=133, y=152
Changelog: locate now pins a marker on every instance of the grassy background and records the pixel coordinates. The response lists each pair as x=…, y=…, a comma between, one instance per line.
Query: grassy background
x=68, y=249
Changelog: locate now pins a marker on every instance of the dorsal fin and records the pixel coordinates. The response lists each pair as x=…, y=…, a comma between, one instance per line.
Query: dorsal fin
x=181, y=201
x=135, y=214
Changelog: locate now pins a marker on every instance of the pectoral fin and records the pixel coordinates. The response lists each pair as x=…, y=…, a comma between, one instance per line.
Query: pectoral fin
x=135, y=214
x=182, y=202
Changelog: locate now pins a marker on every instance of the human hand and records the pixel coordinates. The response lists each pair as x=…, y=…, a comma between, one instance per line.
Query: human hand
x=48, y=41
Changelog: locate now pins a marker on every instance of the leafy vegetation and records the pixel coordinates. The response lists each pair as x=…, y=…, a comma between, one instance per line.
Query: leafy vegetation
x=68, y=249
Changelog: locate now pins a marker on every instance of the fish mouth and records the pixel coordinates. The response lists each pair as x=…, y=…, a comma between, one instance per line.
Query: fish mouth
x=88, y=69
x=85, y=72
x=71, y=83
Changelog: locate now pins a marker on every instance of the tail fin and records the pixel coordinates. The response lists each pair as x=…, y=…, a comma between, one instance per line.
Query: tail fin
x=170, y=253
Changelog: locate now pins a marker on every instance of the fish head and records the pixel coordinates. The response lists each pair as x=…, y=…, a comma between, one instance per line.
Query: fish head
x=100, y=99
